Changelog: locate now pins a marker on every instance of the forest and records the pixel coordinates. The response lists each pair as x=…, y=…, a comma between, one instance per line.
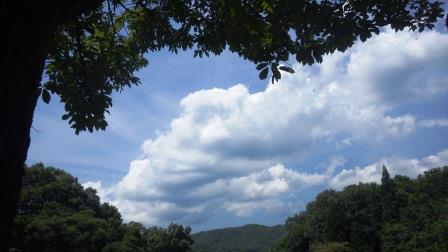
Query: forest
x=400, y=214
x=56, y=213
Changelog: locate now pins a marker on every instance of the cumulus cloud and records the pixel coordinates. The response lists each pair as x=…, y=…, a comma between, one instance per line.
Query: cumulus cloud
x=395, y=165
x=228, y=147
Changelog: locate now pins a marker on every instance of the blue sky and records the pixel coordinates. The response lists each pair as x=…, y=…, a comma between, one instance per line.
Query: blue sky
x=205, y=143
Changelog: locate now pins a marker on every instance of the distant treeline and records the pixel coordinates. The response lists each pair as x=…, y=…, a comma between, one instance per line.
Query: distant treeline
x=248, y=238
x=56, y=213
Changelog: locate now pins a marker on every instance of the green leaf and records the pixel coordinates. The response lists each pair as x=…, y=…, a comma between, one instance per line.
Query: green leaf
x=46, y=96
x=103, y=125
x=65, y=116
x=261, y=66
x=276, y=72
x=287, y=69
x=263, y=74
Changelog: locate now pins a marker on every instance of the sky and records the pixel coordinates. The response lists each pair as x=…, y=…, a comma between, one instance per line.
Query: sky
x=205, y=143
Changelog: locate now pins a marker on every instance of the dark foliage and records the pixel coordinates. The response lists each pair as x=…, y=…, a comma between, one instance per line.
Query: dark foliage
x=57, y=214
x=401, y=214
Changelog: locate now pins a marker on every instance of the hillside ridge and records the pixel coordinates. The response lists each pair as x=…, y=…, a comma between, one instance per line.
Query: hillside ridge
x=246, y=238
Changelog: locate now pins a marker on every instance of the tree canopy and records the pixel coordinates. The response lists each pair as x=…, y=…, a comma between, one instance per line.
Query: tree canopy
x=400, y=214
x=99, y=51
x=56, y=213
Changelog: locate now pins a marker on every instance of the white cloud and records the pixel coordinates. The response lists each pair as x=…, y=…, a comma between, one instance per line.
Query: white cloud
x=433, y=123
x=395, y=165
x=227, y=148
x=261, y=190
x=401, y=67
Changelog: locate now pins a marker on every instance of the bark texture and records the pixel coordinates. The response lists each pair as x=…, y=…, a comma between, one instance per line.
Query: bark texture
x=27, y=29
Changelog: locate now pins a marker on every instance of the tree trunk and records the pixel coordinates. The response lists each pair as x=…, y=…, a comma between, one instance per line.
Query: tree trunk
x=27, y=29
x=25, y=40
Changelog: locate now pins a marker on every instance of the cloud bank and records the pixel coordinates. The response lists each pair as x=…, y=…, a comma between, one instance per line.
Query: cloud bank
x=233, y=150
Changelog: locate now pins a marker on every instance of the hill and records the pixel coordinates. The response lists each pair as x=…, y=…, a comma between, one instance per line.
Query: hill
x=246, y=238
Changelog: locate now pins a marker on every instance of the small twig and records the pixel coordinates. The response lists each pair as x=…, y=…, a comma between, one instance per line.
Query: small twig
x=124, y=6
x=111, y=15
x=38, y=131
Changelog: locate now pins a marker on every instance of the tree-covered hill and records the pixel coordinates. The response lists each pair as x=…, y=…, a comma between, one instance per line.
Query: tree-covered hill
x=248, y=238
x=56, y=213
x=400, y=214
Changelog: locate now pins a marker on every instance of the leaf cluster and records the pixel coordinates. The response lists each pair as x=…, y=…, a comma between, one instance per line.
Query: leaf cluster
x=99, y=52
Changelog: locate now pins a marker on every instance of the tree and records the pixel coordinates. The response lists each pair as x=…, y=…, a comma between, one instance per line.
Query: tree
x=175, y=238
x=417, y=221
x=90, y=48
x=56, y=213
x=390, y=201
x=295, y=239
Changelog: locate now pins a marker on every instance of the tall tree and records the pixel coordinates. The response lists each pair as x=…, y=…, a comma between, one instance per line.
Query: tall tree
x=90, y=48
x=389, y=197
x=295, y=239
